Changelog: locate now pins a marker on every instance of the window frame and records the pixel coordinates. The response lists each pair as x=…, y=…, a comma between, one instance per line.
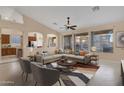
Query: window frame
x=104, y=31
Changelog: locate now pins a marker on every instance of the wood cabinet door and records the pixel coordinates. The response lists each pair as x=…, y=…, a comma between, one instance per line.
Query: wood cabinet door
x=5, y=39
x=8, y=51
x=4, y=52
x=31, y=38
x=13, y=51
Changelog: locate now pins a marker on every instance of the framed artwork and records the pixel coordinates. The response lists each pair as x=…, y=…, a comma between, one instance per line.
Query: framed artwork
x=52, y=42
x=120, y=39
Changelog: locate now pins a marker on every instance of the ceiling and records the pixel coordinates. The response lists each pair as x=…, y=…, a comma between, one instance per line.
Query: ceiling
x=54, y=17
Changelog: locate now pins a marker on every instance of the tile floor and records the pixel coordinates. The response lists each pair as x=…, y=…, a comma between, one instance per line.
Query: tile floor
x=108, y=74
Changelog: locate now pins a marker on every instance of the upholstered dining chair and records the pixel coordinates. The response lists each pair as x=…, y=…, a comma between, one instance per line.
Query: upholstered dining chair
x=44, y=76
x=25, y=66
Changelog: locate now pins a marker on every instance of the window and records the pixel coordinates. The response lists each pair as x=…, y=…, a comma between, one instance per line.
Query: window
x=81, y=42
x=16, y=39
x=68, y=42
x=103, y=41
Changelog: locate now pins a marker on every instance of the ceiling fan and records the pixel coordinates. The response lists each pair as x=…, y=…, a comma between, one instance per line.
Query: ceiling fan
x=68, y=26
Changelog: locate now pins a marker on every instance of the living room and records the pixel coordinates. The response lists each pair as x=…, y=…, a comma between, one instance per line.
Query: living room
x=85, y=46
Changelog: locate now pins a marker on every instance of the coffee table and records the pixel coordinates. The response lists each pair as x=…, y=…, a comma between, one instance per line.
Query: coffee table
x=69, y=65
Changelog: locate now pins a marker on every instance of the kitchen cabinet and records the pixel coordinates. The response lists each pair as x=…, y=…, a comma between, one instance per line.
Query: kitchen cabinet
x=5, y=39
x=31, y=38
x=8, y=51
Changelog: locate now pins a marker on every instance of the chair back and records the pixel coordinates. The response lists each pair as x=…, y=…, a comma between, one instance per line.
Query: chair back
x=25, y=65
x=44, y=76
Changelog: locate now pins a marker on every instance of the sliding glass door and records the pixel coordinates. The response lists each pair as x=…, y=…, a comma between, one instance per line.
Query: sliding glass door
x=81, y=42
x=68, y=42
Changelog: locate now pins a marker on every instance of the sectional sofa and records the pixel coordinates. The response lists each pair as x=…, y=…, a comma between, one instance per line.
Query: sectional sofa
x=56, y=57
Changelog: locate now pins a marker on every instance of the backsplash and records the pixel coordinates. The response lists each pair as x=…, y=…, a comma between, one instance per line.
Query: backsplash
x=6, y=45
x=10, y=46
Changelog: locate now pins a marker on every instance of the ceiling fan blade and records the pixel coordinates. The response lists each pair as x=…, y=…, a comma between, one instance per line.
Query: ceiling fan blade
x=73, y=26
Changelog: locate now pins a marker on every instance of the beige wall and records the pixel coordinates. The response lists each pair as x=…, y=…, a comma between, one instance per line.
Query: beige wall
x=30, y=26
x=117, y=26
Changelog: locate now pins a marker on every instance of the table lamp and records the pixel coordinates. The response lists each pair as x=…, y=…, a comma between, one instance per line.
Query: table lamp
x=93, y=50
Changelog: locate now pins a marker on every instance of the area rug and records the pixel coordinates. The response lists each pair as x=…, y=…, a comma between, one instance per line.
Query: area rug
x=93, y=66
x=76, y=77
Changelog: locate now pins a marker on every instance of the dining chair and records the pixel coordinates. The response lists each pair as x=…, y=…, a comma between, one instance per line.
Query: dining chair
x=25, y=66
x=44, y=76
